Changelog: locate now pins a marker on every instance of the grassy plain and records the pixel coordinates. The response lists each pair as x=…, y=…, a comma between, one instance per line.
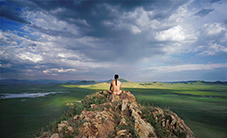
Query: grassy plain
x=202, y=106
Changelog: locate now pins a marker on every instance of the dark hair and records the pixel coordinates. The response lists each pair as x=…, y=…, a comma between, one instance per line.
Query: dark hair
x=116, y=77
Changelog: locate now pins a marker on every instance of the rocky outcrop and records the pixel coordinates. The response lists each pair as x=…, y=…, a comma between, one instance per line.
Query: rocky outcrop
x=171, y=122
x=168, y=122
x=105, y=115
x=97, y=124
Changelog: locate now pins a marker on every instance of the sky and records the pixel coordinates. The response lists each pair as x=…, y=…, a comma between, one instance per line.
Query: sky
x=156, y=40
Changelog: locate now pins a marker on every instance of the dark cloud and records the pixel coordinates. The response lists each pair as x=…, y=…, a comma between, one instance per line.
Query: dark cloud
x=225, y=22
x=94, y=12
x=33, y=45
x=53, y=32
x=207, y=1
x=122, y=49
x=213, y=1
x=203, y=12
x=73, y=35
x=11, y=13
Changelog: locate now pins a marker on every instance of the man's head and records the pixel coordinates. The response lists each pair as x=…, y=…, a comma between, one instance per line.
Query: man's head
x=116, y=76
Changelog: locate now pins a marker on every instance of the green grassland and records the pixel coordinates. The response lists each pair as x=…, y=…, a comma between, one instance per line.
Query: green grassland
x=202, y=106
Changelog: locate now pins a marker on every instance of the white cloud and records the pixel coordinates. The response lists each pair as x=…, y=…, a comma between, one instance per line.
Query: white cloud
x=160, y=25
x=119, y=25
x=8, y=65
x=142, y=18
x=47, y=49
x=111, y=8
x=108, y=23
x=69, y=55
x=89, y=41
x=61, y=70
x=214, y=28
x=173, y=28
x=82, y=21
x=58, y=10
x=187, y=67
x=30, y=56
x=181, y=14
x=8, y=37
x=213, y=49
x=123, y=24
x=49, y=22
x=48, y=38
x=173, y=34
x=81, y=65
x=3, y=39
x=135, y=29
x=53, y=50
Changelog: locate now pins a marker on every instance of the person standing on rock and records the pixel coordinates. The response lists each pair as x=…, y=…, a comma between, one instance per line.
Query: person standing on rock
x=116, y=85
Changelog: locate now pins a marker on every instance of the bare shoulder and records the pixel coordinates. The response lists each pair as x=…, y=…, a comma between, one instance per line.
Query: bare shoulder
x=112, y=82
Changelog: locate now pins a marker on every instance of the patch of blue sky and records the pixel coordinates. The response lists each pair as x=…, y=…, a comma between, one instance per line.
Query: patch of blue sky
x=18, y=9
x=3, y=2
x=10, y=25
x=18, y=27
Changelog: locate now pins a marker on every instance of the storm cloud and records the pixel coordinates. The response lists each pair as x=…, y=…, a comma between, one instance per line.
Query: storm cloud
x=96, y=39
x=12, y=13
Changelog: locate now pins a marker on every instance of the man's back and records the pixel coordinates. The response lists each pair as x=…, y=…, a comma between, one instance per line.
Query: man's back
x=116, y=88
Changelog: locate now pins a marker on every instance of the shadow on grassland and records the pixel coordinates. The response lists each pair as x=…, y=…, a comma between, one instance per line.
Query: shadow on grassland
x=23, y=116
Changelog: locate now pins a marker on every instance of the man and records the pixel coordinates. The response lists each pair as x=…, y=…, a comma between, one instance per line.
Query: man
x=116, y=85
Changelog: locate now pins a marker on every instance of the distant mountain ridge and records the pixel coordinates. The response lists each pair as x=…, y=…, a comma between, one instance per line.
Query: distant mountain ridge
x=90, y=82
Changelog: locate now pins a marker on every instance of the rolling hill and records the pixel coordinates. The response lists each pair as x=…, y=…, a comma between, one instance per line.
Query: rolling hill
x=85, y=82
x=121, y=80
